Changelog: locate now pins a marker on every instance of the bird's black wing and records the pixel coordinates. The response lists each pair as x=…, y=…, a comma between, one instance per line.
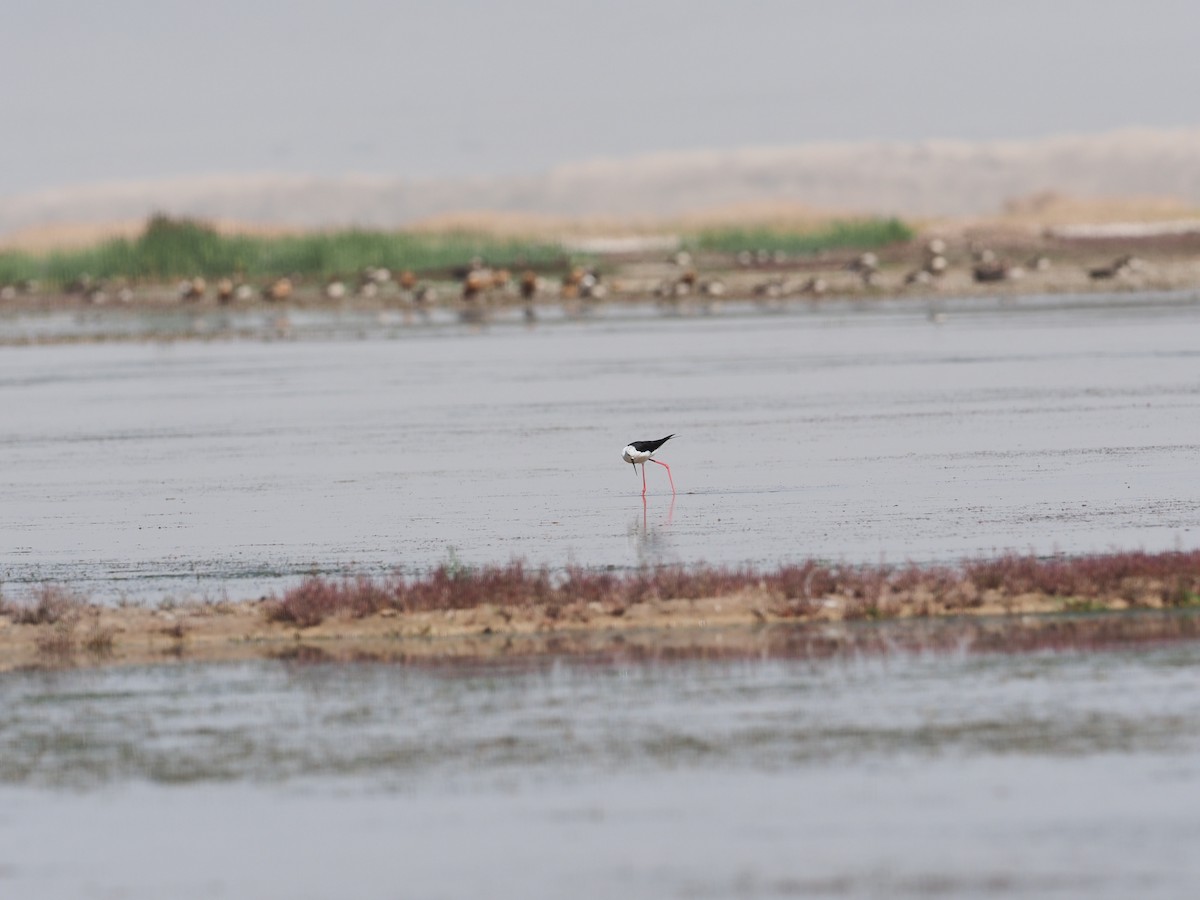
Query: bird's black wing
x=650, y=446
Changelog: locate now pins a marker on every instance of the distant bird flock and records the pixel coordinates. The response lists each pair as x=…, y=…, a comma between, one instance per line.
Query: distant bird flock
x=681, y=282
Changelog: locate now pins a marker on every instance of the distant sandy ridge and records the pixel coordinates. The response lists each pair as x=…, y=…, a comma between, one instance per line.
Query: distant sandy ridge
x=927, y=179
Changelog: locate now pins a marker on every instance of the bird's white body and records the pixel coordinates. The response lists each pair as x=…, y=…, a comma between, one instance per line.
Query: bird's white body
x=633, y=455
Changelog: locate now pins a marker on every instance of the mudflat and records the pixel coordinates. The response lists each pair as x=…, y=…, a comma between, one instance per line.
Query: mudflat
x=749, y=623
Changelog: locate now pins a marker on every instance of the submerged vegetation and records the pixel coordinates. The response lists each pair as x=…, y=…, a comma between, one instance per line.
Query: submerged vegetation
x=61, y=612
x=804, y=590
x=1007, y=604
x=795, y=590
x=46, y=604
x=171, y=248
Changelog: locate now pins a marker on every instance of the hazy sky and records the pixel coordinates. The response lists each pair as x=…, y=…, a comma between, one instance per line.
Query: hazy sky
x=96, y=91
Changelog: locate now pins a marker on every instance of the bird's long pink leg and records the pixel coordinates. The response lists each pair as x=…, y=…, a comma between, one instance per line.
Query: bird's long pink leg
x=665, y=466
x=643, y=479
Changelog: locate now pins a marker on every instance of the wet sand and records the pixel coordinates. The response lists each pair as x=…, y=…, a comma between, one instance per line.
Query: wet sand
x=746, y=624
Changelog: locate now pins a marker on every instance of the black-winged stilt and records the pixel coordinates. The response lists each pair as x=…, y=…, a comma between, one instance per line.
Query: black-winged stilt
x=641, y=452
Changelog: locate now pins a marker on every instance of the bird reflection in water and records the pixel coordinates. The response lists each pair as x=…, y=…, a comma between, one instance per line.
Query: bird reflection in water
x=652, y=545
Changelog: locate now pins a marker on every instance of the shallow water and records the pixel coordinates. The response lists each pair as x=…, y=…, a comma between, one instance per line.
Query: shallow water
x=904, y=774
x=846, y=431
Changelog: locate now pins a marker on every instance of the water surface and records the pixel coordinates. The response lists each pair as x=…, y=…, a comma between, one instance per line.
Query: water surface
x=843, y=431
x=902, y=774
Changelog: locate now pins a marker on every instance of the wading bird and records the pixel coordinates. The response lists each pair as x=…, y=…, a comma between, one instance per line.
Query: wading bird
x=641, y=452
